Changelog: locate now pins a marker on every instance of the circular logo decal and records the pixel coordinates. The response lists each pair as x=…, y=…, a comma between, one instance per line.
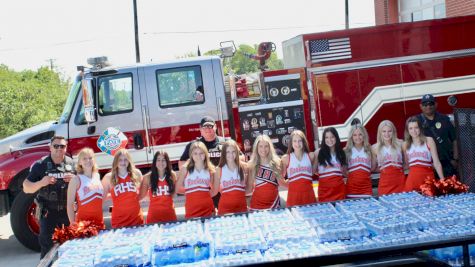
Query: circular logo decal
x=274, y=92
x=285, y=90
x=111, y=141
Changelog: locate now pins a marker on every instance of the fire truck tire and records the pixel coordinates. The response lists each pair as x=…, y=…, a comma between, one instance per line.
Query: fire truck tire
x=21, y=221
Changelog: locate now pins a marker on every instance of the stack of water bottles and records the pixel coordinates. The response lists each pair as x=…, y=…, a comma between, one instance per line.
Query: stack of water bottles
x=236, y=241
x=336, y=231
x=180, y=243
x=283, y=234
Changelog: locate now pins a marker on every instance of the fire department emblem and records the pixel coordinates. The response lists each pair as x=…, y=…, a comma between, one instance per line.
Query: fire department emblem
x=285, y=90
x=274, y=92
x=111, y=141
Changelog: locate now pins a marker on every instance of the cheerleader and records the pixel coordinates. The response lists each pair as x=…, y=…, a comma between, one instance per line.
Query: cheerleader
x=265, y=174
x=123, y=183
x=359, y=156
x=331, y=166
x=195, y=179
x=421, y=154
x=86, y=190
x=388, y=156
x=297, y=164
x=160, y=185
x=231, y=179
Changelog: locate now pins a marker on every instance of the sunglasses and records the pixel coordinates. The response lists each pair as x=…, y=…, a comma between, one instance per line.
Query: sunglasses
x=58, y=146
x=428, y=104
x=207, y=126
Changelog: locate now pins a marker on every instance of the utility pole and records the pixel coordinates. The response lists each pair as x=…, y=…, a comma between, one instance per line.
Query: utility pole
x=136, y=27
x=51, y=63
x=347, y=18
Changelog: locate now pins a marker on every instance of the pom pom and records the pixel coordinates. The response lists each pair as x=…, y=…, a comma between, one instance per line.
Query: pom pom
x=76, y=230
x=449, y=185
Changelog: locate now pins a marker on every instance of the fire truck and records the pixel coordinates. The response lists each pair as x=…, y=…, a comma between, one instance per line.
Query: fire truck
x=330, y=79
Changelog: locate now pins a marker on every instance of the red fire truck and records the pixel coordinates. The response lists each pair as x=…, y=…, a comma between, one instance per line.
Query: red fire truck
x=331, y=79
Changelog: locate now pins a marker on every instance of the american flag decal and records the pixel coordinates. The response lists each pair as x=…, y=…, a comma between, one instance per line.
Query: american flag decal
x=329, y=49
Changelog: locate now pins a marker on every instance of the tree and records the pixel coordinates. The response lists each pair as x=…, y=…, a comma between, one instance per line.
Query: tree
x=29, y=98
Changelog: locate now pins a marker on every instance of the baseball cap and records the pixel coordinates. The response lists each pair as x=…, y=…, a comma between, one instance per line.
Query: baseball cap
x=427, y=98
x=207, y=120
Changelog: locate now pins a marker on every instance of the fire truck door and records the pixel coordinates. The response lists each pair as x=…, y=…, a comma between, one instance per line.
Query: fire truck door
x=178, y=95
x=118, y=104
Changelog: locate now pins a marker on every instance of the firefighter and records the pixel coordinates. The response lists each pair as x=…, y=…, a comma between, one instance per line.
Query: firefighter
x=50, y=177
x=440, y=128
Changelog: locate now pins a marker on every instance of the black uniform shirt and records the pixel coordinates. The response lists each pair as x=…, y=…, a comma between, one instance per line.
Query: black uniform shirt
x=214, y=149
x=442, y=131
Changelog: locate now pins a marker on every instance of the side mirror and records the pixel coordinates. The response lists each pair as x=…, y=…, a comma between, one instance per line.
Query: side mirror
x=87, y=100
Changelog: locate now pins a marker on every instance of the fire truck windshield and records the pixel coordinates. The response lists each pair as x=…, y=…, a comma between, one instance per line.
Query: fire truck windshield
x=73, y=92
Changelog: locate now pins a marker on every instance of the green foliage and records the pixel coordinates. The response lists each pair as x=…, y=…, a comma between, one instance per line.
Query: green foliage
x=241, y=64
x=29, y=97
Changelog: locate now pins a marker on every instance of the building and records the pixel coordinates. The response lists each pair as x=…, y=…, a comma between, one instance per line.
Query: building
x=394, y=11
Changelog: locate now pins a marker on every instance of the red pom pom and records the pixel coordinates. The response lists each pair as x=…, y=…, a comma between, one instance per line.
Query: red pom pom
x=77, y=230
x=449, y=185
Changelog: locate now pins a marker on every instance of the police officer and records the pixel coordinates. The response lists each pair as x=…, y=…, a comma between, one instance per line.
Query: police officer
x=50, y=177
x=213, y=143
x=440, y=128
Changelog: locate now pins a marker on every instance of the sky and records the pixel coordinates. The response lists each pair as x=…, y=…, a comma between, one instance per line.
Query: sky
x=65, y=32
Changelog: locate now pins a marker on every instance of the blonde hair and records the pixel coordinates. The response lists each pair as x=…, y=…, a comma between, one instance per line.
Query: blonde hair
x=86, y=152
x=223, y=161
x=255, y=161
x=408, y=137
x=395, y=143
x=300, y=134
x=130, y=168
x=350, y=144
x=190, y=163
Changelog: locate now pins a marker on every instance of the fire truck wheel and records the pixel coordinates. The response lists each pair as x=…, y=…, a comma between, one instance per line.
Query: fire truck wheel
x=23, y=221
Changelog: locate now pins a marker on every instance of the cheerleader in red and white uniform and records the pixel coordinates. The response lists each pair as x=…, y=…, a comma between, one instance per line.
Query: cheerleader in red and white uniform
x=358, y=153
x=297, y=164
x=231, y=179
x=388, y=154
x=86, y=189
x=421, y=155
x=123, y=183
x=196, y=179
x=331, y=167
x=265, y=174
x=159, y=183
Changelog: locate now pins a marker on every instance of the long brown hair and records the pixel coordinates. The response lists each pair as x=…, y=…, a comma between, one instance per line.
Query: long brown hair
x=130, y=168
x=86, y=152
x=408, y=137
x=299, y=133
x=190, y=163
x=223, y=161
